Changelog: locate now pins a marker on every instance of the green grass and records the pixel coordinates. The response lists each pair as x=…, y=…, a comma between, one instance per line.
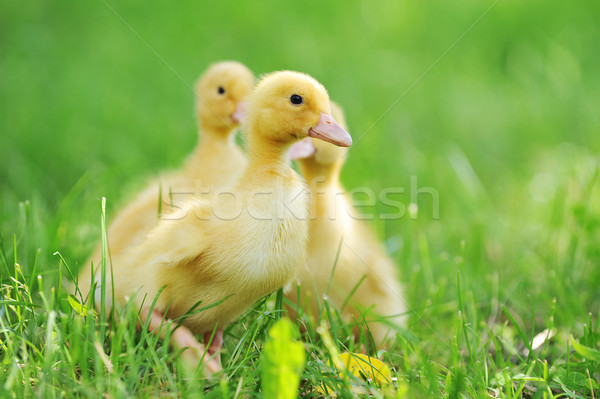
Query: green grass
x=504, y=127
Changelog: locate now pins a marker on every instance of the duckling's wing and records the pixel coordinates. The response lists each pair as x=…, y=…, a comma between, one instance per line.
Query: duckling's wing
x=178, y=237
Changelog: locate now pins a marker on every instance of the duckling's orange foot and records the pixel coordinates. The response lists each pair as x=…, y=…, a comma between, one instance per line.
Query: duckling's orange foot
x=214, y=343
x=193, y=351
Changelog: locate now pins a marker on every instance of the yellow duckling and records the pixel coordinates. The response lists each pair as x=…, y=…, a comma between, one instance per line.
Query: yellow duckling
x=216, y=162
x=233, y=249
x=334, y=219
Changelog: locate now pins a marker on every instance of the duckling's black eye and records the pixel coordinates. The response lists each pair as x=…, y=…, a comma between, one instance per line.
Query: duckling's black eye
x=296, y=99
x=221, y=90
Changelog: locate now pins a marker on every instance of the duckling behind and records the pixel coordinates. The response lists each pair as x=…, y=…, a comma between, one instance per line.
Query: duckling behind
x=216, y=162
x=334, y=221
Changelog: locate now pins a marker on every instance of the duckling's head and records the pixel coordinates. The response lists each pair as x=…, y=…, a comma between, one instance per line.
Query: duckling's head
x=221, y=95
x=288, y=106
x=317, y=152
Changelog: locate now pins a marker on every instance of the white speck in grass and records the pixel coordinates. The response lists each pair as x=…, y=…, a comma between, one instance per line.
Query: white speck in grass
x=413, y=210
x=542, y=337
x=542, y=187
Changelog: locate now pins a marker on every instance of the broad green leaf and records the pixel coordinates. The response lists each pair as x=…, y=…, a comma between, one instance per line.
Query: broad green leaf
x=283, y=362
x=585, y=351
x=577, y=379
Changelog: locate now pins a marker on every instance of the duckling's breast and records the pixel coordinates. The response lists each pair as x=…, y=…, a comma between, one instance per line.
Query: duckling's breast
x=253, y=252
x=270, y=236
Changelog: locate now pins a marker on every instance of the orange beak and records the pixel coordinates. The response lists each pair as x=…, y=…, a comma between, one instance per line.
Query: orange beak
x=328, y=130
x=240, y=112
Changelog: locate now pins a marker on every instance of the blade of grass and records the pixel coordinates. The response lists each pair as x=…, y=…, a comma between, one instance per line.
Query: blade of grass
x=103, y=270
x=279, y=304
x=461, y=310
x=517, y=326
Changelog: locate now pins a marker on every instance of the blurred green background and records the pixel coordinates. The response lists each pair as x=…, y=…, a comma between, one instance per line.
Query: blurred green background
x=505, y=126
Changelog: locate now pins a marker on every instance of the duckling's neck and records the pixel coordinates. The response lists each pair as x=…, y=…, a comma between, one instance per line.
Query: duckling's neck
x=211, y=143
x=216, y=137
x=320, y=175
x=268, y=156
x=325, y=189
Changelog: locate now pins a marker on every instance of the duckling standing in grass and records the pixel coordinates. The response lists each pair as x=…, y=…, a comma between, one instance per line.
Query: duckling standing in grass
x=216, y=162
x=334, y=221
x=231, y=250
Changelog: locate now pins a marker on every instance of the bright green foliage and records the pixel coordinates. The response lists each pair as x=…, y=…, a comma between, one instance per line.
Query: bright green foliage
x=283, y=361
x=588, y=353
x=501, y=118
